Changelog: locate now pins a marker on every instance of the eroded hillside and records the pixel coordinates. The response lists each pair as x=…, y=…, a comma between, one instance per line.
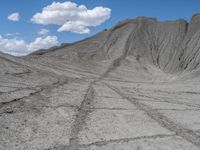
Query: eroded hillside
x=134, y=86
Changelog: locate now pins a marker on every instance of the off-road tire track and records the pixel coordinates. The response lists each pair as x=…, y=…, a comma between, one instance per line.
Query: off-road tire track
x=187, y=134
x=81, y=116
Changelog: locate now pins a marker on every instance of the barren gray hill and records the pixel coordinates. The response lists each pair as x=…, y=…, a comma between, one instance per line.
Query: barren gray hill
x=132, y=87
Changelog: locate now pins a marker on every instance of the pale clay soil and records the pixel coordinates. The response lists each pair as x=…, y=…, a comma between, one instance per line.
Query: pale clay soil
x=77, y=98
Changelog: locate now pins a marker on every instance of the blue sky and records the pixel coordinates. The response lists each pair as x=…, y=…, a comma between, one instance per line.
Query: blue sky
x=23, y=31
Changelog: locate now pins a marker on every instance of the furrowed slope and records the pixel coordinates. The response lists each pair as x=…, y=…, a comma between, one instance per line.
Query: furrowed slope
x=171, y=46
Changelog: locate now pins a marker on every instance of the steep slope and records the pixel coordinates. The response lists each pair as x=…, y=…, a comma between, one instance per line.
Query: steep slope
x=172, y=46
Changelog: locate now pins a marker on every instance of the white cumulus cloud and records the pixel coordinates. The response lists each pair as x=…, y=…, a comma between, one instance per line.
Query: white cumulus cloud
x=74, y=27
x=72, y=17
x=42, y=43
x=19, y=47
x=43, y=32
x=12, y=46
x=14, y=17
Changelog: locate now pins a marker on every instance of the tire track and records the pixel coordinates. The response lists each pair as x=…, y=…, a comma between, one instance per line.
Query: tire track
x=37, y=91
x=187, y=134
x=81, y=116
x=125, y=140
x=83, y=112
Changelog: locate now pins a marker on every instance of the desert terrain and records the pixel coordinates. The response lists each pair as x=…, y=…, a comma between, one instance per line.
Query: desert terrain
x=134, y=86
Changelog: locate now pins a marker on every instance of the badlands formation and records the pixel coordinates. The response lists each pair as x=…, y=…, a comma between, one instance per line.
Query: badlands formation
x=132, y=87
